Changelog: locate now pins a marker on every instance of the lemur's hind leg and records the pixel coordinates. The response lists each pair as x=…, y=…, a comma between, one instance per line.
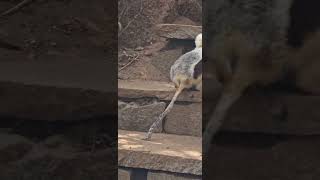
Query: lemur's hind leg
x=232, y=92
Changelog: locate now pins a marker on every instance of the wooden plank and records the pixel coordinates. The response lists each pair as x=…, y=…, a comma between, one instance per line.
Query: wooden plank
x=161, y=90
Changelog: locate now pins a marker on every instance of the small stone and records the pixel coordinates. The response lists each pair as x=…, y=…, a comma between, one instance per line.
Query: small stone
x=148, y=53
x=139, y=48
x=53, y=44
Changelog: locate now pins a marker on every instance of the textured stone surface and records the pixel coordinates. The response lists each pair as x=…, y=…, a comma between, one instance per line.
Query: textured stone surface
x=161, y=90
x=178, y=31
x=164, y=60
x=90, y=75
x=135, y=117
x=272, y=113
x=124, y=174
x=291, y=158
x=172, y=153
x=13, y=147
x=156, y=175
x=185, y=119
x=51, y=103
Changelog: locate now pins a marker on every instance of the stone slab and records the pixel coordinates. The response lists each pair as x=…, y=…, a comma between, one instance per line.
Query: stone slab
x=178, y=31
x=273, y=113
x=172, y=153
x=161, y=90
x=139, y=117
x=83, y=74
x=154, y=175
x=51, y=103
x=185, y=119
x=290, y=158
x=124, y=174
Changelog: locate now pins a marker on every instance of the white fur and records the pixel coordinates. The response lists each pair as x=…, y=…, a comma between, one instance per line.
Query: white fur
x=198, y=41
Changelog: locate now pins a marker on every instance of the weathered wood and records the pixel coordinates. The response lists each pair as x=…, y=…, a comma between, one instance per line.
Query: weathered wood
x=161, y=90
x=178, y=31
x=172, y=153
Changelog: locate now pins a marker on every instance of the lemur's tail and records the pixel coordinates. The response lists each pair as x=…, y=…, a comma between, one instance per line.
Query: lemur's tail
x=165, y=112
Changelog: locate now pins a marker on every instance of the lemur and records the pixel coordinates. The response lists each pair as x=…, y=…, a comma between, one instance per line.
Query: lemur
x=249, y=47
x=185, y=73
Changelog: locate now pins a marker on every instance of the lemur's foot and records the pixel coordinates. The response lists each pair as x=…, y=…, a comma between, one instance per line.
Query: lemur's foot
x=147, y=137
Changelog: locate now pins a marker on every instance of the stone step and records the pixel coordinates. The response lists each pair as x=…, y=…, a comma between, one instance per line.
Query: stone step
x=273, y=113
x=168, y=153
x=84, y=74
x=56, y=90
x=157, y=89
x=178, y=31
x=264, y=112
x=184, y=119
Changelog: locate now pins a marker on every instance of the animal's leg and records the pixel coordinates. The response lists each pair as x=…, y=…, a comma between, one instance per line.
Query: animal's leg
x=230, y=95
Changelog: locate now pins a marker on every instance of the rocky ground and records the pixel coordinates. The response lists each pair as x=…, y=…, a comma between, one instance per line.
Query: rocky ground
x=38, y=149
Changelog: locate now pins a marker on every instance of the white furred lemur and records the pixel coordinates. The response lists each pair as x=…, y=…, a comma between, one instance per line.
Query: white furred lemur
x=185, y=73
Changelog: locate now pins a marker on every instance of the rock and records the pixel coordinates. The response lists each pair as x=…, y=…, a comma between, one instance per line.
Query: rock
x=124, y=174
x=155, y=175
x=185, y=119
x=275, y=113
x=38, y=102
x=183, y=20
x=13, y=147
x=178, y=31
x=132, y=116
x=81, y=166
x=164, y=60
x=172, y=153
x=296, y=158
x=57, y=90
x=157, y=89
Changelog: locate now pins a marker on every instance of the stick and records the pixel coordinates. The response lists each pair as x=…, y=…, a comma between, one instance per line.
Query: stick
x=16, y=8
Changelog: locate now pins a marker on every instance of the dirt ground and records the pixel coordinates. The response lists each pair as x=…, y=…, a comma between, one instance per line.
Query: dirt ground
x=143, y=54
x=58, y=30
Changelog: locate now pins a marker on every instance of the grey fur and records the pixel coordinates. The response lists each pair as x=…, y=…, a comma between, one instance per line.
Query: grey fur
x=182, y=74
x=185, y=64
x=263, y=26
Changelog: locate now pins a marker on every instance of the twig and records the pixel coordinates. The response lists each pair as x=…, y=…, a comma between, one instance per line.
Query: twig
x=134, y=18
x=124, y=10
x=16, y=7
x=128, y=64
x=182, y=25
x=198, y=4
